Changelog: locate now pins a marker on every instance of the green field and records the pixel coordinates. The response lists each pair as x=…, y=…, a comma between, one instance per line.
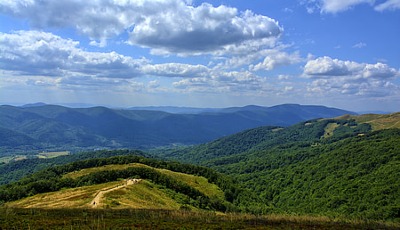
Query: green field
x=46, y=155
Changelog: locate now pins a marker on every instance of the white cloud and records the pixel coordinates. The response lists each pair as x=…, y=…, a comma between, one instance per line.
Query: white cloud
x=275, y=58
x=47, y=60
x=326, y=66
x=172, y=26
x=359, y=45
x=44, y=54
x=337, y=6
x=348, y=77
x=175, y=70
x=388, y=5
x=237, y=82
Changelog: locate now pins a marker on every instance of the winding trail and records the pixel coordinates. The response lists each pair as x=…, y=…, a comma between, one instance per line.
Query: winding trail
x=97, y=201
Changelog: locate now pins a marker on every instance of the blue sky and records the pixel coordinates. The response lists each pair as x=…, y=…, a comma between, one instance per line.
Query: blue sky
x=338, y=53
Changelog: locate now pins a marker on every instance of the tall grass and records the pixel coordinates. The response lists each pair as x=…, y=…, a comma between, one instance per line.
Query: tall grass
x=12, y=218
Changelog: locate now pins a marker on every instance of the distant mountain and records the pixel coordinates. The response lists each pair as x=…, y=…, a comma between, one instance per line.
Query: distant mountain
x=175, y=109
x=34, y=105
x=53, y=126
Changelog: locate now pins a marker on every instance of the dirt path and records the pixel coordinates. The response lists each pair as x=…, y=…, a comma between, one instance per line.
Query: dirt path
x=97, y=201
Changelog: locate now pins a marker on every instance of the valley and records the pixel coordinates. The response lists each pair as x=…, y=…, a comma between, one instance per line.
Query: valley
x=324, y=173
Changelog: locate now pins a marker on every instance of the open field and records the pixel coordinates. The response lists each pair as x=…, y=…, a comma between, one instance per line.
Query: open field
x=11, y=218
x=377, y=121
x=144, y=195
x=52, y=154
x=196, y=182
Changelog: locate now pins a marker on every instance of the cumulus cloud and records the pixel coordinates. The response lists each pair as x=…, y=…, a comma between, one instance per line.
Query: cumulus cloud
x=275, y=58
x=176, y=70
x=163, y=25
x=336, y=6
x=46, y=54
x=202, y=29
x=239, y=82
x=44, y=59
x=350, y=77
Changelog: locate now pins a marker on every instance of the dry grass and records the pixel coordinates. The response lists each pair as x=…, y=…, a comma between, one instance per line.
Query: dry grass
x=200, y=183
x=46, y=155
x=169, y=219
x=143, y=195
x=68, y=198
x=377, y=121
x=329, y=129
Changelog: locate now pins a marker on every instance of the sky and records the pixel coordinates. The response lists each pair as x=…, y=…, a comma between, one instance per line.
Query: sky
x=122, y=53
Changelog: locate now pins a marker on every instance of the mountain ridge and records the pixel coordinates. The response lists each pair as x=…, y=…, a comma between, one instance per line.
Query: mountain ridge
x=63, y=128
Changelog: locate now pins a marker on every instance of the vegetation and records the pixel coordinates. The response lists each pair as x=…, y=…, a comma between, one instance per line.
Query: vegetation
x=352, y=172
x=378, y=121
x=57, y=178
x=16, y=170
x=11, y=218
x=337, y=168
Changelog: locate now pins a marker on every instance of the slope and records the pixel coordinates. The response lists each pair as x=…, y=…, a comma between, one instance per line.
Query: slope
x=322, y=167
x=377, y=121
x=107, y=182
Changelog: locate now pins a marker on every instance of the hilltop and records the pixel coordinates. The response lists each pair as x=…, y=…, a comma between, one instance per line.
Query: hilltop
x=377, y=121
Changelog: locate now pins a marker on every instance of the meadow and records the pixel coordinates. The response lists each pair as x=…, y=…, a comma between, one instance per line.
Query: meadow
x=12, y=218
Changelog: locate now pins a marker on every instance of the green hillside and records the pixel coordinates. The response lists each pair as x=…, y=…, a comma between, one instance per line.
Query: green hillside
x=322, y=167
x=74, y=185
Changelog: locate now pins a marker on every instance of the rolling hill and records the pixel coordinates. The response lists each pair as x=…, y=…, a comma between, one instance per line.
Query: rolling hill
x=333, y=167
x=122, y=182
x=52, y=127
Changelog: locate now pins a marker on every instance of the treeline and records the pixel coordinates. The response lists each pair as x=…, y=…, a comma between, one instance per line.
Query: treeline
x=14, y=171
x=306, y=133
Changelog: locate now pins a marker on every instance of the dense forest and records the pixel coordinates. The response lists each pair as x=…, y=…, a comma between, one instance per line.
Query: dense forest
x=324, y=167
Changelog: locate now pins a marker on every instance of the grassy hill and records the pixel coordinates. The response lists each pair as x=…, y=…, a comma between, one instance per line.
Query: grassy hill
x=165, y=185
x=142, y=194
x=377, y=121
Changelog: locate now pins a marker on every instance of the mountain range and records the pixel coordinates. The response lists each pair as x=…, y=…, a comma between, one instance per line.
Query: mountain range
x=52, y=127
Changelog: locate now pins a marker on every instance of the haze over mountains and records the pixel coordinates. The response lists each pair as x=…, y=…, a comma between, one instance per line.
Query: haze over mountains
x=41, y=126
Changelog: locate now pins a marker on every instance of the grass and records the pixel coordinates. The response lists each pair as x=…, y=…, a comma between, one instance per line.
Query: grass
x=12, y=218
x=8, y=159
x=46, y=155
x=377, y=121
x=197, y=182
x=143, y=195
x=329, y=129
